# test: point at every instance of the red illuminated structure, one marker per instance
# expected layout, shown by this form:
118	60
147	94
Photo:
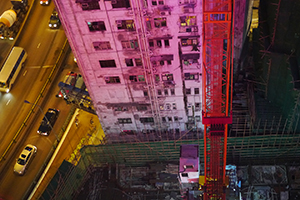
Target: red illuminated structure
217	90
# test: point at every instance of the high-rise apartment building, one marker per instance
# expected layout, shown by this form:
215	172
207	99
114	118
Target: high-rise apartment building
141	61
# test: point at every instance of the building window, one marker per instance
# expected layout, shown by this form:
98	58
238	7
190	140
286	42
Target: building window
188	20
138	78
129	62
133	78
141	108
125	24
101	45
175	119
146	119
167	77
124	121
170	119
96	26
160	22
107	63
164	119
141	78
190	61
166	92
197	106
119	108
174	106
198	118
130	44
90	6
161	62
172	91
151	43
167	44
169	62
156	77
189	42
120	3
145	93
191	76
112	79
154	3
158	43
161	2
196	90
159	92
138	62
188	91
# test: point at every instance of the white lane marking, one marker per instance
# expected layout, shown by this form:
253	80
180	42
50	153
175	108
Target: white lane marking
8	102
25	73
39	45
38	67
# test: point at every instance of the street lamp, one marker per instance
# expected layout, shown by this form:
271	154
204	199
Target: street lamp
48	122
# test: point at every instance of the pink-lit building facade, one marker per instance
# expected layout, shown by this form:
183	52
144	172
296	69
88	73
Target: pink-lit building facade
141	61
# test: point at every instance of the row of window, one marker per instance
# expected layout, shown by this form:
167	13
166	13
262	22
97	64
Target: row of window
166	106
94	5
164	77
129	121
133	44
129	25
145	120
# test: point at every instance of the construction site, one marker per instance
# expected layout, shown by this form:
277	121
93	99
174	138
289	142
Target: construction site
263	140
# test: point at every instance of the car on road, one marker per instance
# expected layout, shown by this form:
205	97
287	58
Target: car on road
25	159
48	121
54	21
45	2
68	82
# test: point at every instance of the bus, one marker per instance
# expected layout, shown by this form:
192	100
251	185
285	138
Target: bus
11	68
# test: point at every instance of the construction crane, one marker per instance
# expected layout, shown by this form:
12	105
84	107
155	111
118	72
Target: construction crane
217	92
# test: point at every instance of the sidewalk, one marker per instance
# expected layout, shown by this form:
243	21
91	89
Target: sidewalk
83	129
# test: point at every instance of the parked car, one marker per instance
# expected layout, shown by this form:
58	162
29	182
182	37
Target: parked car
25	159
48	121
54	21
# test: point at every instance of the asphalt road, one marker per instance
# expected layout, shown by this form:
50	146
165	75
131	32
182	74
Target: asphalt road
43	47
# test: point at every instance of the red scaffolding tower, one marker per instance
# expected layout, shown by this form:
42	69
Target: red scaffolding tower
217	92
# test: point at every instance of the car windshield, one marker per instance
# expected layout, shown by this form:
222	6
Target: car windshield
28	148
53	17
21	161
